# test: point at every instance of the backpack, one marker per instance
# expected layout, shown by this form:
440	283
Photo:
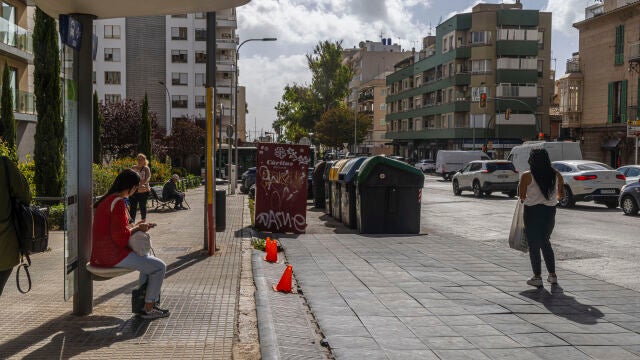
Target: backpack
32	230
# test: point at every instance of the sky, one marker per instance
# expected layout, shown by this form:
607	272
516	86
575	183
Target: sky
267	67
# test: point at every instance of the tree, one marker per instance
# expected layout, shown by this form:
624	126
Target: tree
144	139
120	130
336	127
7	119
97	130
49	137
186	139
302	106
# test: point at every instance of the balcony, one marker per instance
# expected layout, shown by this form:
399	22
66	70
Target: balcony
571	120
226	44
573	65
516	91
18	38
226	23
24	103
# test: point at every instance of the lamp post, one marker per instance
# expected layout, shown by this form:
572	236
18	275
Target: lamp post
235	114
219	112
170	106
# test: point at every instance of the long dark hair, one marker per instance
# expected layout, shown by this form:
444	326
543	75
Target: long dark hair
542	171
126	180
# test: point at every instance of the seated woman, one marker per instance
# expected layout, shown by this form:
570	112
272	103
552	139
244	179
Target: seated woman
110	241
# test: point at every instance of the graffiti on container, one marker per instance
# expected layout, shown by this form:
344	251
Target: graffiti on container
280	219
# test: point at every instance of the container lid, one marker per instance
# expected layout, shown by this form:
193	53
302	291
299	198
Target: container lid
325	174
349	171
336	168
370	163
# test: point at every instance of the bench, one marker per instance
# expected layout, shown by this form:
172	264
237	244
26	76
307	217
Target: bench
106	273
157	202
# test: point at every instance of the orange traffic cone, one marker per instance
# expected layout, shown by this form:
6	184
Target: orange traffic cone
285	281
271	247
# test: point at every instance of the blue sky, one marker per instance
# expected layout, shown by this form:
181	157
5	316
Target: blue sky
266	67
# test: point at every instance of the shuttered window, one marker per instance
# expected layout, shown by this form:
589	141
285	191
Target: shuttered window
619	56
623	102
617	104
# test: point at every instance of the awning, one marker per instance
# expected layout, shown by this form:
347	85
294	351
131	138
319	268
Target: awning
611	144
125	8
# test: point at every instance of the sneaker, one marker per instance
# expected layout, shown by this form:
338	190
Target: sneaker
153	314
553	279
164	311
535	281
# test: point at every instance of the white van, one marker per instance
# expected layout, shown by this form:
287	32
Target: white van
519	155
448	162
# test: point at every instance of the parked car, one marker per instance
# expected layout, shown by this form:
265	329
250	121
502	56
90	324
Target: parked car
448	162
426	165
586	180
486	176
558	150
399	158
630	172
630	198
247	179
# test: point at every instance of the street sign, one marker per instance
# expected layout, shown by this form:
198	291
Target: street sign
229	131
633	128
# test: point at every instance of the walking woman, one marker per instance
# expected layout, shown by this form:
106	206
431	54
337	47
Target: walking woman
110	241
141	196
539	189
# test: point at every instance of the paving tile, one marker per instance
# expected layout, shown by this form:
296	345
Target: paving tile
493	342
411	355
461	355
601	339
510	354
537	339
608	353
447	343
475	330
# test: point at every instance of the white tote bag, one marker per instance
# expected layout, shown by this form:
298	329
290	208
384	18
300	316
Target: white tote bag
517	237
140	243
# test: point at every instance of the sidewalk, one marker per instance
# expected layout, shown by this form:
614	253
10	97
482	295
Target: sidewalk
434	297
201	291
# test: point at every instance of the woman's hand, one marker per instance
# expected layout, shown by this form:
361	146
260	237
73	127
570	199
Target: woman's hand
144	226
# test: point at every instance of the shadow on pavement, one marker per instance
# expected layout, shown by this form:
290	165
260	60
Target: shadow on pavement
565	306
74	335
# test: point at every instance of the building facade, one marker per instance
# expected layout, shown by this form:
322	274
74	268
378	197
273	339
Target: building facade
16	51
372	102
500	50
165	57
368	61
599	94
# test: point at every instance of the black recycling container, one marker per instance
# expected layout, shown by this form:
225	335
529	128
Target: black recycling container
388	196
318	185
348	194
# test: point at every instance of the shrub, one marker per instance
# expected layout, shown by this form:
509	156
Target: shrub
56	217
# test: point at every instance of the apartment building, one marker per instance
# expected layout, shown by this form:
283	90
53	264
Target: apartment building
16	50
165	57
599	94
500	50
368	61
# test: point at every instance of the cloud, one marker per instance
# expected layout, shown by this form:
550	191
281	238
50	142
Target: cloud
565	13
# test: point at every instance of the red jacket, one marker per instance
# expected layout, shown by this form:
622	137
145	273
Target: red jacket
110	233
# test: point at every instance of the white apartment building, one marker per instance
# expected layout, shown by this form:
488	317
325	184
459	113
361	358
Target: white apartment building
165	57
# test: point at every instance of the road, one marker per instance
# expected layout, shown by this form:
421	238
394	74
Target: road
589	239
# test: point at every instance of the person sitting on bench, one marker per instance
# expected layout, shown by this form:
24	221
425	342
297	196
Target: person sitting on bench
170	192
110	241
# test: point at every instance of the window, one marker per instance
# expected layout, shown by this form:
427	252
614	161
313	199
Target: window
383	107
179	78
200	102
112	77
562	168
200	15
112	31
480	66
619	57
179	101
540	67
541	39
112	54
475	167
111	98
383	92
480	37
199	79
182	16
179	56
178	33
201	57
383	122
201	34
93	77
617	102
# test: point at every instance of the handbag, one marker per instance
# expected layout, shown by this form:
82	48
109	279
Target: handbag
32	231
140	243
517	236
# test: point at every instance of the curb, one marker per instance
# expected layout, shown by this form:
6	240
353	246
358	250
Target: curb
266	328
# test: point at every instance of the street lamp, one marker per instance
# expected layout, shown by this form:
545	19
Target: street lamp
219	112
170	106
235	114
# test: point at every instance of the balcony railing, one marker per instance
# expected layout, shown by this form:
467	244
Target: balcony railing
634	52
573	66
16	36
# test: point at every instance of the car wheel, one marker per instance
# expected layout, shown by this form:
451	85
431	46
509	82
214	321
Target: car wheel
629	206
477	192
456	188
567	200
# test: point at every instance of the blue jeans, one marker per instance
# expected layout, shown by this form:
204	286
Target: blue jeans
151	269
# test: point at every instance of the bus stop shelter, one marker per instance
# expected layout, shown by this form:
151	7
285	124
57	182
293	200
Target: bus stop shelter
78	16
